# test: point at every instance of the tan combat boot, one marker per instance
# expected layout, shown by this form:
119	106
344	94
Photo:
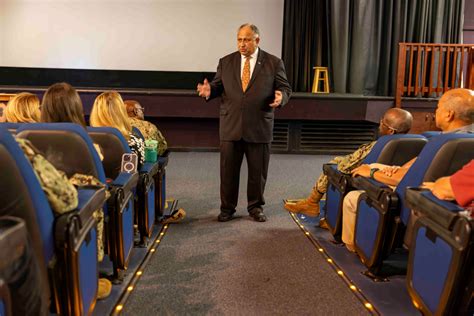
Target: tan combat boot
308	206
104	289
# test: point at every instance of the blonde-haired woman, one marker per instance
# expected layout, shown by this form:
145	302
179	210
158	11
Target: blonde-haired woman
23	108
109	111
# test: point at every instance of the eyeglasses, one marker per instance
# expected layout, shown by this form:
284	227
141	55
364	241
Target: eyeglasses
387	126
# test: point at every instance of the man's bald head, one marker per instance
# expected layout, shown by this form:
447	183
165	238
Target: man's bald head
397	120
461	101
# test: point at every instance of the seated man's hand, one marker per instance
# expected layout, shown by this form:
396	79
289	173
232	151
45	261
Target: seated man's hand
390	171
441	188
363	171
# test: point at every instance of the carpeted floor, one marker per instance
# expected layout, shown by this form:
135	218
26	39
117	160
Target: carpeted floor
239	267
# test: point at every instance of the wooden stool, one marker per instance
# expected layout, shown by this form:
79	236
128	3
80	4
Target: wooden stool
318	71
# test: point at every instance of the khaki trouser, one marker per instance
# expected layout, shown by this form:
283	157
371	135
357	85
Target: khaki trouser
349	213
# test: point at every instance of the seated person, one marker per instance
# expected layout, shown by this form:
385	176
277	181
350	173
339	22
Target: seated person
62	104
148	129
394	121
62	196
23	108
459	187
2	113
454	114
109	111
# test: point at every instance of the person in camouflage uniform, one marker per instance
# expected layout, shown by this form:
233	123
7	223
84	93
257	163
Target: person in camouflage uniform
149	130
62	196
394	121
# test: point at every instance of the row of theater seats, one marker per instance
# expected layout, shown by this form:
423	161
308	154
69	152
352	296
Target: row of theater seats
69	242
439	240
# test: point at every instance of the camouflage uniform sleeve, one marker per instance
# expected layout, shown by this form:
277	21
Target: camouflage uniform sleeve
349	162
61	194
162	144
345	164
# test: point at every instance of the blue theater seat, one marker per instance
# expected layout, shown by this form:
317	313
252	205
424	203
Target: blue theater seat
382	213
138	133
12	127
148	192
78	155
390	150
440	276
160	179
429	134
66	245
20	286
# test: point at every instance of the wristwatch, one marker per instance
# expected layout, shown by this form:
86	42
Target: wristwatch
372	171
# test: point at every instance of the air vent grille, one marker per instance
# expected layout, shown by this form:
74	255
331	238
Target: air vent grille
281	133
334	137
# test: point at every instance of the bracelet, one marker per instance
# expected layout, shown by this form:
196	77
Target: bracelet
372	171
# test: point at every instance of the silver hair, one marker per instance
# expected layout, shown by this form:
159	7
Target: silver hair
254	28
461	102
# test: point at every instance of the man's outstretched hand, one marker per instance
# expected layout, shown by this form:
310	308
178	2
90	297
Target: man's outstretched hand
278	98
204	89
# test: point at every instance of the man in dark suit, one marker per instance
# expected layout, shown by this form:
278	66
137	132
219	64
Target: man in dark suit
251	83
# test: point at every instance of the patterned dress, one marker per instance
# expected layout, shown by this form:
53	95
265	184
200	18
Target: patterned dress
150	131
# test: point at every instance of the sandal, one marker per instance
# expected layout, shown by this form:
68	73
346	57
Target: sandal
175	217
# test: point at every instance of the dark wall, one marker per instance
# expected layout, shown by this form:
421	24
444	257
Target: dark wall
30	77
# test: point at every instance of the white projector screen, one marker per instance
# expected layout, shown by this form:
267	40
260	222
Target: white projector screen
156	35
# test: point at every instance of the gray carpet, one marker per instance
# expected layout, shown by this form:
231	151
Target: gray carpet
239	267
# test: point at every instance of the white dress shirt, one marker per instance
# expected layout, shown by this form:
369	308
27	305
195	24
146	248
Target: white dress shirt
253	61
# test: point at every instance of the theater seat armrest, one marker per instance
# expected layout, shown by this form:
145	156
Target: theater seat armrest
90	199
150	168
375	190
127	181
72	228
335	176
443	212
163	159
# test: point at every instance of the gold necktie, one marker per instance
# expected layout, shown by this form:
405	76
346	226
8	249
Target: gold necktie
246	74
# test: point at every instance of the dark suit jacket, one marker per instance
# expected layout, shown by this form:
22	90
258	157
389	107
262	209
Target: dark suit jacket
247	115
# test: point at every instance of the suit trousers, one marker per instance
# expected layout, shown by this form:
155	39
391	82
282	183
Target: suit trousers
258	157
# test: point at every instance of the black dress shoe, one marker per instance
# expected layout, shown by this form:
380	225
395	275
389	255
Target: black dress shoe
224	217
258	216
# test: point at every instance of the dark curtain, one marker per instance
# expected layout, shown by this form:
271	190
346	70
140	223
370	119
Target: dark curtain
304	41
364	37
358	39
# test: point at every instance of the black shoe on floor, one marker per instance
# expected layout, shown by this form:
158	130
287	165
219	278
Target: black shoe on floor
224	217
258	216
